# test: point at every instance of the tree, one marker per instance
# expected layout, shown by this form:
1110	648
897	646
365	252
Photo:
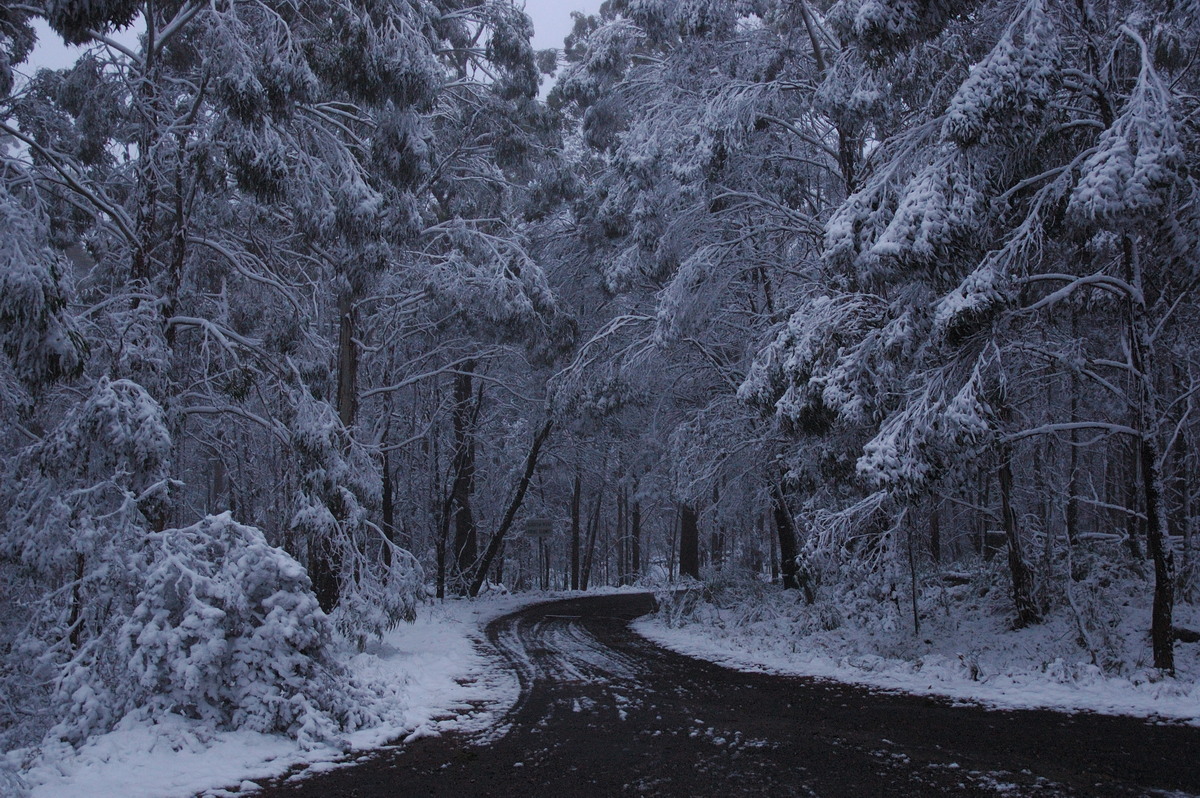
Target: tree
240	191
707	171
1010	188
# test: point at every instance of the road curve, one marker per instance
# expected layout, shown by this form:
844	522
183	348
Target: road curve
603	712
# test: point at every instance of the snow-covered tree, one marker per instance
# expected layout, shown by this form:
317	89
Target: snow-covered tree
1036	170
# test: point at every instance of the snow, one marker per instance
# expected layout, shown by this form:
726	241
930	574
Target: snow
431	677
968	655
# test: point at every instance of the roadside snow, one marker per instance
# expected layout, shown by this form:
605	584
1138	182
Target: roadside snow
963	653
431	677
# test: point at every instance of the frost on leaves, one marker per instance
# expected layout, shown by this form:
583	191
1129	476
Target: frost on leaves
36	333
917	445
76	19
366	592
1010	86
789	375
1136	161
940	208
888	26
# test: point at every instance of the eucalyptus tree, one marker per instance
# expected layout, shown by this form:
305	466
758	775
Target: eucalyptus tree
231	188
710	166
1030	161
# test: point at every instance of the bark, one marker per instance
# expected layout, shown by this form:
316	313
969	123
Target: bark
912	573
671	547
636	542
689	543
75	618
1022	580
935	532
545	565
1189	512
324	557
148	104
1151	450
785	530
514	507
389	509
1161	633
1134	532
621	535
218	484
1179	475
326	581
1072	510
442	539
593	528
465	534
575	498
774	546
347	378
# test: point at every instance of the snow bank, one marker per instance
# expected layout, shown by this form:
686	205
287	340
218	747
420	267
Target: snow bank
428	677
966	651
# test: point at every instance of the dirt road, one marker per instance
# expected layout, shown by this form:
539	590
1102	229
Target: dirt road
603	712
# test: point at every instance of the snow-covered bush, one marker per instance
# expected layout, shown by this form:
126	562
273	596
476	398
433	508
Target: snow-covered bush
226	630
678	603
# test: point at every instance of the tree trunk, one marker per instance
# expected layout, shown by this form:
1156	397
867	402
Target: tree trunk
325	556
1133	525
935	532
326	581
636	542
75	617
575	499
465	534
1072	510
440	553
785	530
593	528
773	545
389	509
910	533
514	507
1022	580
621	535
1162	635
1179	474
347	372
689	543
672	549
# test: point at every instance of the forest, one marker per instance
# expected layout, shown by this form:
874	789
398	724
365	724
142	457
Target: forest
309	307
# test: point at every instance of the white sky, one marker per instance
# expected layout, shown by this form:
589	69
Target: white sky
552	19
551	23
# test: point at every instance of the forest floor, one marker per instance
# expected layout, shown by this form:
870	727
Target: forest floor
602	711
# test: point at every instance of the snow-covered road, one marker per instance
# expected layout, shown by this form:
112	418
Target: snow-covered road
603	711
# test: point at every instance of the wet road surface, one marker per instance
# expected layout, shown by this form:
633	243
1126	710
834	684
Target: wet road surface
603	712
